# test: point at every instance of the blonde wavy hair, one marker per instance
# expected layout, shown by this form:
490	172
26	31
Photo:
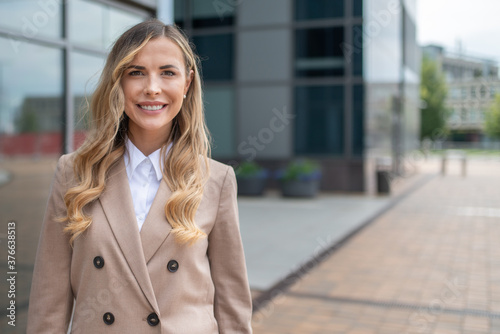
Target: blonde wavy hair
186	165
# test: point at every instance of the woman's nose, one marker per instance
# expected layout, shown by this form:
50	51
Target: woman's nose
152	87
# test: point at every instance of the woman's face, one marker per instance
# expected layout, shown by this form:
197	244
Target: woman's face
154	86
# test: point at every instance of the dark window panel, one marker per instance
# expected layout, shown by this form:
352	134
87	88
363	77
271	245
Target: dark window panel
357	50
319	53
216	52
216	13
318	9
179	12
319	122
357	8
357	120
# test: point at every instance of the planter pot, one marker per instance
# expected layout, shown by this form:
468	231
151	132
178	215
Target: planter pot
251	186
300	188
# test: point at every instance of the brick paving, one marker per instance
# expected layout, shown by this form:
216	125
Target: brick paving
431	264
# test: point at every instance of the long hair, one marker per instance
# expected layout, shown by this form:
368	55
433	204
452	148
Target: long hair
186	166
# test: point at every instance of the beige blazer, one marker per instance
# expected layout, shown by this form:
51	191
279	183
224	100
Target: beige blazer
120	280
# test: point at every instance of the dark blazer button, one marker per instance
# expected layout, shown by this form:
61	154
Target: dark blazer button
108	318
98	262
153	319
172	266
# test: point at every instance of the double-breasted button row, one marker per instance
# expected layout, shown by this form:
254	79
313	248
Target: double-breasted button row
98	262
172	266
152	319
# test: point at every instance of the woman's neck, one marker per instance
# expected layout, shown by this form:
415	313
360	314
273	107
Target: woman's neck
147	142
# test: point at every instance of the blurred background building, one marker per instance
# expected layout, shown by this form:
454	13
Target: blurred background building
333	80
472	85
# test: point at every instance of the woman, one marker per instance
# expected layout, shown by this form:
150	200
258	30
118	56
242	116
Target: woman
141	230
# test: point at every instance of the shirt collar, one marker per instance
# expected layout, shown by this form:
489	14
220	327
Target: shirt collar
133	157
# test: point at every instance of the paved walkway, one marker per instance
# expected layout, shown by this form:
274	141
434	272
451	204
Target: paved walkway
431	264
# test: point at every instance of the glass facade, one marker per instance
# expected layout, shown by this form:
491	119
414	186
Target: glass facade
319	123
357	8
319	53
357	51
210	26
216	53
32	18
32	109
85	70
216	13
318	9
220	118
357	120
107	23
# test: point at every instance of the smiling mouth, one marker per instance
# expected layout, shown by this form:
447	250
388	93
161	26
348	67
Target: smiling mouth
152	108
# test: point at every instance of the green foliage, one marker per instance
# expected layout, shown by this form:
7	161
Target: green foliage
492	119
301	170
433	91
249	169
27	122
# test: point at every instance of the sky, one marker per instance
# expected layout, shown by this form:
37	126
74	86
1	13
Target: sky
475	23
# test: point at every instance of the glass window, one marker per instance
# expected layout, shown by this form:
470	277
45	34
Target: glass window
357	50
80	30
357	8
219	107
319	122
31	111
463	115
179	12
85	72
216	52
357	120
318	9
464	92
483	91
33	18
318	52
108	23
473	92
213	13
116	22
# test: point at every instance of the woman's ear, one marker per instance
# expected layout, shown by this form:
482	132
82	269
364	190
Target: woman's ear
189	79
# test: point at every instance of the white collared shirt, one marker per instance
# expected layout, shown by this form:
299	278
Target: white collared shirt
144	177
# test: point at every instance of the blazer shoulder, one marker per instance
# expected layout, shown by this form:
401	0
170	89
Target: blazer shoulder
219	171
65	167
221	175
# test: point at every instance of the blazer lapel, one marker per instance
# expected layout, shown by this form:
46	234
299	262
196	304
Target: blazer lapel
117	204
156	227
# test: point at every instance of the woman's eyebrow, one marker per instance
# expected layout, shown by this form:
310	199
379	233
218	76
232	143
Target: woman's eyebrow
164	67
137	67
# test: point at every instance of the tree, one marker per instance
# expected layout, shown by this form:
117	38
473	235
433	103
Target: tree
492	119
433	91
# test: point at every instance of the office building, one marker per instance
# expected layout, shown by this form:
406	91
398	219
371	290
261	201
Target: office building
472	86
332	80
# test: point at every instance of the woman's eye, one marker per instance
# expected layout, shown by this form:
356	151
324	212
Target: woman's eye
168	73
135	73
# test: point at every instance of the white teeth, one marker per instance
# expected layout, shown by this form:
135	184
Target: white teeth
158	107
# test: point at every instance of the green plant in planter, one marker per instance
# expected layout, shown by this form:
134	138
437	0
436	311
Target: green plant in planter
300	170
251	178
250	169
300	178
